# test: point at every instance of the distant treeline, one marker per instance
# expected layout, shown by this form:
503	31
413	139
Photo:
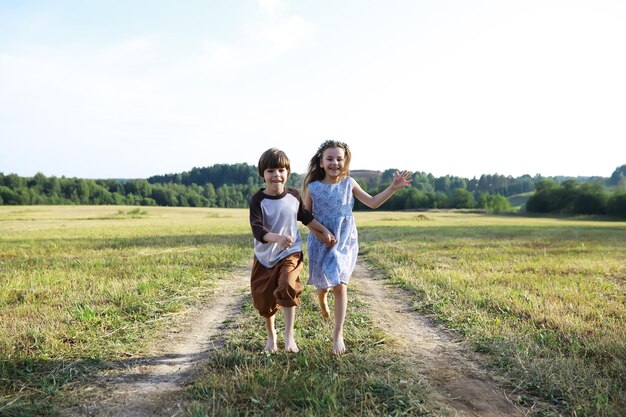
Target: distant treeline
231	185
570	197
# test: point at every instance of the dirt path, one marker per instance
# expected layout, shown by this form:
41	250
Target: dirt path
151	386
446	365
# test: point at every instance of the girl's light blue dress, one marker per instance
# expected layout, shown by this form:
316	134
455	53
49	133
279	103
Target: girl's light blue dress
332	206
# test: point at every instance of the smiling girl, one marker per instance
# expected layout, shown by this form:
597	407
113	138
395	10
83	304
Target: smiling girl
329	193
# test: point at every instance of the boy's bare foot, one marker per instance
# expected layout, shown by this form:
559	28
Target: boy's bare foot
322	296
290	335
270	346
290	343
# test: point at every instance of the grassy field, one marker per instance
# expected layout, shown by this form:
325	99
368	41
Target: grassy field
373	380
82	286
544	297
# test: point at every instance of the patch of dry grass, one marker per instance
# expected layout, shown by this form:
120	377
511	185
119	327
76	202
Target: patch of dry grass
545	297
81	285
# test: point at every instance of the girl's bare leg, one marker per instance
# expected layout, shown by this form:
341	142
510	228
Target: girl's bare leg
341	303
290	340
322	296
270	346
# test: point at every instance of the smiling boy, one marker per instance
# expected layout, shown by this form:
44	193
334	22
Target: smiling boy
274	215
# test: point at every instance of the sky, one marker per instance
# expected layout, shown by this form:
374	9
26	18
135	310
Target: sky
135	88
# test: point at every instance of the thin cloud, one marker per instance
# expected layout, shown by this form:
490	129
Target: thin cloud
287	34
269	6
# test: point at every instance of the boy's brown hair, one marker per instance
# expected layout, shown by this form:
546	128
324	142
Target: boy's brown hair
273	158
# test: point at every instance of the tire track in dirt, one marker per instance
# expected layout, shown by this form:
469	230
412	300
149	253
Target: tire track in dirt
459	381
151	385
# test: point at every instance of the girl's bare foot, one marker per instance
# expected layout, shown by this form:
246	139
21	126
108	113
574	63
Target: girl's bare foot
270	345
341	302
322	296
338	346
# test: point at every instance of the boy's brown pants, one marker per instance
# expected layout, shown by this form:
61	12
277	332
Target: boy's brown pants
276	286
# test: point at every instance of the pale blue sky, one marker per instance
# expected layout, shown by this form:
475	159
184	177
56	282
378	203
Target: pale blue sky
130	89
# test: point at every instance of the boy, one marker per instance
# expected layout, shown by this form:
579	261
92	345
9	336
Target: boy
275	278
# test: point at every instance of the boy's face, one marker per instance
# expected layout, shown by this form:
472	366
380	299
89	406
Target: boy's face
275	180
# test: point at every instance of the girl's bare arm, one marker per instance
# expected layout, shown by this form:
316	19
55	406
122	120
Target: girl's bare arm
400	180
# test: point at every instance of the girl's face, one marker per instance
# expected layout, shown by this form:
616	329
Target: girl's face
332	162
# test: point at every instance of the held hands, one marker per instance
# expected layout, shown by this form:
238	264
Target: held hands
322	233
328	239
325	236
401	180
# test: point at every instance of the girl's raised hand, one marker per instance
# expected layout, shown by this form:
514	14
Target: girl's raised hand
401	179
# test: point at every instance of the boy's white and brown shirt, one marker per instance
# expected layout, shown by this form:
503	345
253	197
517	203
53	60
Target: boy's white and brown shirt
277	214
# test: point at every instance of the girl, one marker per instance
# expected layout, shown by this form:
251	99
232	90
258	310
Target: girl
328	194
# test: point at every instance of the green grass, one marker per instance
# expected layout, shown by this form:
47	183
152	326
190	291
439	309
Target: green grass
543	297
519	200
83	287
372	380
80	286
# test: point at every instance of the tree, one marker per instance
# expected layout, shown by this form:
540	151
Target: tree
423	182
13	181
208	191
618	175
414	199
616	205
387	176
496	204
440	200
144	188
52	187
543	201
590	199
443	184
164	196
8	196
461	198
37	183
232	185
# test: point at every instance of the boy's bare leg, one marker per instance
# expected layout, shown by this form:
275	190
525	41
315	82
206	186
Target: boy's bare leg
322	296
341	303
270	346
290	340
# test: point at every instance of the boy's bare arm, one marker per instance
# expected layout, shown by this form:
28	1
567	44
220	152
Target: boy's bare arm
283	241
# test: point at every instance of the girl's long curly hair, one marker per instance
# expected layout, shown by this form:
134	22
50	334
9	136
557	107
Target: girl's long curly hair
316	172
